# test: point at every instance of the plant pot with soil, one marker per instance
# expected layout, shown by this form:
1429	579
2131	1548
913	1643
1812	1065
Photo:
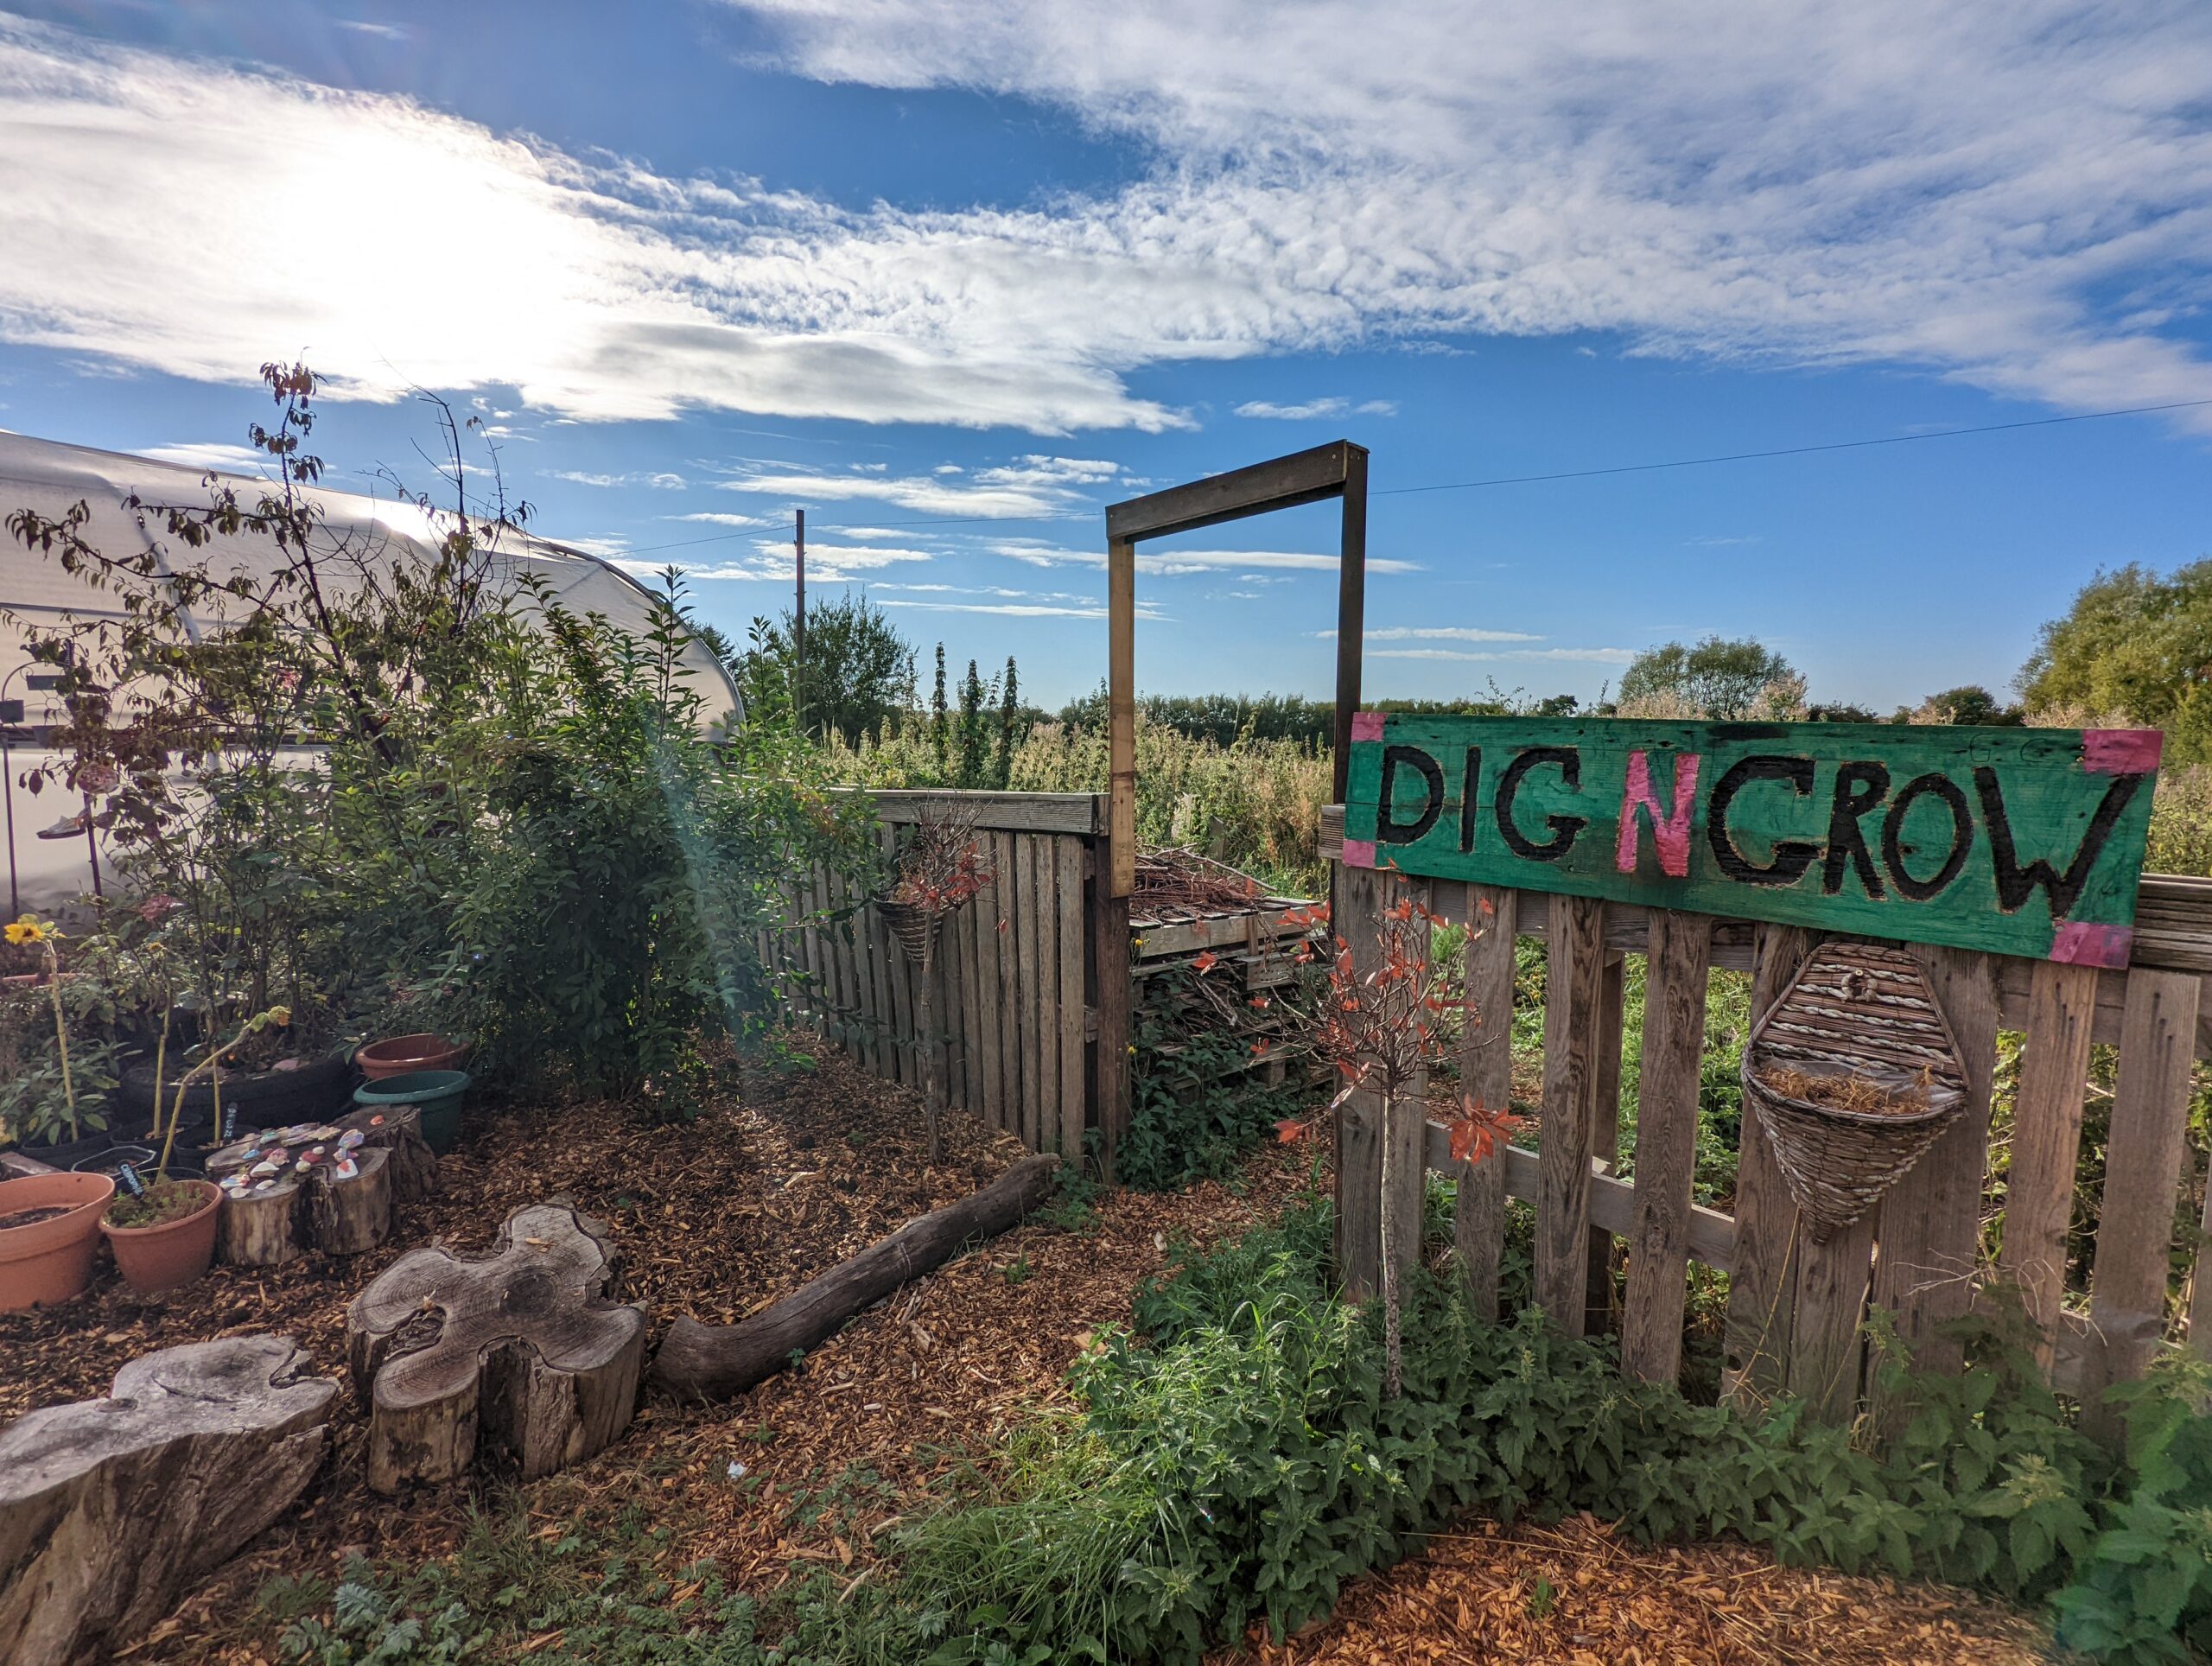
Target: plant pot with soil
49	1226
164	1236
294	1090
402	1055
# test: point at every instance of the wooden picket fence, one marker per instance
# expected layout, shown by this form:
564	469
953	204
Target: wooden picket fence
1795	1306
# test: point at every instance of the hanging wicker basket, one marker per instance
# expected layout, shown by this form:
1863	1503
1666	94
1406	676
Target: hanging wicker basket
912	923
1865	1013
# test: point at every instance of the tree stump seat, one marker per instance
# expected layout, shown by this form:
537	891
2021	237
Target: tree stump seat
523	1358
108	1507
268	1226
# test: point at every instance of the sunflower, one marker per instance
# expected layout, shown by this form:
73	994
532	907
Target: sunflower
28	929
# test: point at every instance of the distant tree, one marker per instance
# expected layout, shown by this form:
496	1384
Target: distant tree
1558	705
1970	705
2134	647
1842	712
1717	678
940	719
858	668
974	743
1009	724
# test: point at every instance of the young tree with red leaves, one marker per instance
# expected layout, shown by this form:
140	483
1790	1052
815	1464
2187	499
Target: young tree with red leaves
1383	1029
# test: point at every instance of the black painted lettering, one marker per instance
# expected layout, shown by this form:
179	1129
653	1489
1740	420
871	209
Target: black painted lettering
1859	788
1893	849
1388	829
2015	884
1791	856
1468	784
1563	828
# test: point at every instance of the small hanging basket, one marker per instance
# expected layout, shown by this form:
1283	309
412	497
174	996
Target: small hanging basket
912	923
1871	1076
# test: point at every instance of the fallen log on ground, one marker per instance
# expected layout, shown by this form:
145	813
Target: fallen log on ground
107	1507
713	1362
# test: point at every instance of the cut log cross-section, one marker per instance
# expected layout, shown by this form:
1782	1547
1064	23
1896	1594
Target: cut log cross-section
315	1209
107	1507
523	1358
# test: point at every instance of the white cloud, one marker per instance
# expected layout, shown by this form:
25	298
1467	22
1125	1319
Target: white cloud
1017	609
776	561
232	459
1310	410
379	31
2014	193
1439	633
659	481
1599	655
1011	493
714	518
1177	562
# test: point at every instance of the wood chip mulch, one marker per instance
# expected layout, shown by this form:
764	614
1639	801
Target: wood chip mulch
1579	1594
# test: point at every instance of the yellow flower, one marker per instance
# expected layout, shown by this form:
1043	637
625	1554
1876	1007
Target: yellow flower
28	930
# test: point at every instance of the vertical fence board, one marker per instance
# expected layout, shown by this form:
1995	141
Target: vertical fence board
1599	1316
1017	1086
1928	1231
1357	908
1026	933
809	941
1110	949
901	1010
2146	1152
945	957
875	995
2200	1285
1406	1131
1572	984
1067	855
1825	1350
1486	1081
989	907
1676	972
2047	1141
963	933
1761	1278
1045	974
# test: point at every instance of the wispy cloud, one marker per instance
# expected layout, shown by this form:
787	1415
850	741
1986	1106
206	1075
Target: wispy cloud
1439	633
778	561
1172	564
1016	609
659	481
1034	488
2012	193
718	518
1313	409
1598	656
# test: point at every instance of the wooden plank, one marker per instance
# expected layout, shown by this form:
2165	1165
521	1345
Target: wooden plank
2200	1286
1073	919
1613	1200
2047	1142
944	969
971	1055
1599	1316
1732	818
1826	1351
1405	1134
1762	1282
2146	1150
1572	981
1675	979
1278	483
904	1067
1121	717
1110	1000
1351	604
1358	906
990	908
1166	940
1041	959
872	991
1486	1080
1024	812
1928	1234
1007	847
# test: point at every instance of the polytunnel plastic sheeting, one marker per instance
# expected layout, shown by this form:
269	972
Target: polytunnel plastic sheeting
49	478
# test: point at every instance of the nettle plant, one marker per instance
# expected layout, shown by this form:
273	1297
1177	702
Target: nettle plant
1386	1030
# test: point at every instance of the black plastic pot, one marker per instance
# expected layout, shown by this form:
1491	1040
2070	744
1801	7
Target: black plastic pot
314	1091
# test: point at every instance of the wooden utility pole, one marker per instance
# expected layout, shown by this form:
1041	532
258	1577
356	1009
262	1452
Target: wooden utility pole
798	627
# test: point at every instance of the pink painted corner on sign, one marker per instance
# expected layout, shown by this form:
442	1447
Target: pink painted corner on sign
2082	944
1359	853
2120	751
1366	726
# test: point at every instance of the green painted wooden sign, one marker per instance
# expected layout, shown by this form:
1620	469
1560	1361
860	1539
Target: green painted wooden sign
2018	841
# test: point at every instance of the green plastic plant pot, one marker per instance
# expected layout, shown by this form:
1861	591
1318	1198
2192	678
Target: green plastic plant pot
436	1093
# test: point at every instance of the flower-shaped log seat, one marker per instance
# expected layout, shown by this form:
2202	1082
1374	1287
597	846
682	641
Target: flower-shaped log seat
107	1507
523	1357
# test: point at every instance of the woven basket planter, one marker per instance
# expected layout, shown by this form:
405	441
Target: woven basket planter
912	924
1862	1010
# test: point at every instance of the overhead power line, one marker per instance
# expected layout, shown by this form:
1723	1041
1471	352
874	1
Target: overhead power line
1518	479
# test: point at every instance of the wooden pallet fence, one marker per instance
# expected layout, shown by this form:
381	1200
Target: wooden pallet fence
1796	1307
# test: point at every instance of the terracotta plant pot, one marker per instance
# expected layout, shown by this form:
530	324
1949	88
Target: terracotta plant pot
174	1253
50	1259
403	1054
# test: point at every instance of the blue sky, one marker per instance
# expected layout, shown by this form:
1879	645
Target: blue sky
955	275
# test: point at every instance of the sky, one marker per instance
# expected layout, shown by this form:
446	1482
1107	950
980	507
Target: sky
954	276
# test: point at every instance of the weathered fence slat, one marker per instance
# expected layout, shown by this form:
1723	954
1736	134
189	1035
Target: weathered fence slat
1068	911
1573	982
1825	1350
1598	1314
1110	948
1761	1284
990	908
1928	1231
1003	846
1358	905
1666	1143
2145	1149
1044	1018
2047	1141
1406	1130
1486	1081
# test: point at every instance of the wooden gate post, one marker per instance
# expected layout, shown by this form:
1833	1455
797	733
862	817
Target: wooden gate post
1356	909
